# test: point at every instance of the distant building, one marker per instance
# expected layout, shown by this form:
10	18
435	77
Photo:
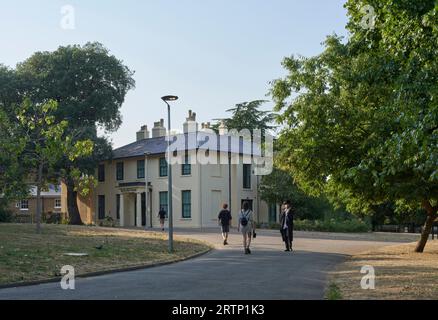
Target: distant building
132	186
25	210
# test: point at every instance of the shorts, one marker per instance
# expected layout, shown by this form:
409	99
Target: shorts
246	229
225	228
162	220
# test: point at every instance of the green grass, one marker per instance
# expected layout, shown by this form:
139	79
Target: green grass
333	292
27	256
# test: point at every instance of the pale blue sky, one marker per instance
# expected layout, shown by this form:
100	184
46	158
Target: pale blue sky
213	54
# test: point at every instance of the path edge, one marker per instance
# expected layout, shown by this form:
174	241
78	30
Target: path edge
105	272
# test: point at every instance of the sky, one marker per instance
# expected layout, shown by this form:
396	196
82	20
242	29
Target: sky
212	54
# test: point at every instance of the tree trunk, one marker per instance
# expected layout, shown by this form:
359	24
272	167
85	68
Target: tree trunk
38	198
431	217
72	205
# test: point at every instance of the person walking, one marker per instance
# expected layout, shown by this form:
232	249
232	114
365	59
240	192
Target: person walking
287	225
224	218
162	216
246	224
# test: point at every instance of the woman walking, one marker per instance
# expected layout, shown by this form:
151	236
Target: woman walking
247	225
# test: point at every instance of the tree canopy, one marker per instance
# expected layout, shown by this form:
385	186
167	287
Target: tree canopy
248	115
362	117
89	86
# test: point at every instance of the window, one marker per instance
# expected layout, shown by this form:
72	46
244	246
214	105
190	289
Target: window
118	206
164	201
101	173
186	197
23	205
57	203
119	171
101	208
163	167
186	168
140	169
247	176
272	213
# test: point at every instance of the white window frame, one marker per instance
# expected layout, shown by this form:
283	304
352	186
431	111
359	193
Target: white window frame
21	205
60	204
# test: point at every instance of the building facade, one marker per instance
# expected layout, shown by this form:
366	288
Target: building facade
133	184
25	210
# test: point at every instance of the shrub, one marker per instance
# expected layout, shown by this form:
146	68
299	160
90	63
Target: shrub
53	218
332	225
107	222
65	219
6	216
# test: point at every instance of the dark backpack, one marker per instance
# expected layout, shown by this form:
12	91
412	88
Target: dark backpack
244	220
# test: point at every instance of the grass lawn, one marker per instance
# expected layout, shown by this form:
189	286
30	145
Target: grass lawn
400	273
27	256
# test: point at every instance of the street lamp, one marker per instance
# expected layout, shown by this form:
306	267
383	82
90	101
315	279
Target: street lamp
167	99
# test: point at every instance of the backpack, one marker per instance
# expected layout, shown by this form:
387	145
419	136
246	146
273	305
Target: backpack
244	219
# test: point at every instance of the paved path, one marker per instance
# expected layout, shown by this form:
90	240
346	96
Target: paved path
225	273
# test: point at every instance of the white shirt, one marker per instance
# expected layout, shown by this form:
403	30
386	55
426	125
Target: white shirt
285	219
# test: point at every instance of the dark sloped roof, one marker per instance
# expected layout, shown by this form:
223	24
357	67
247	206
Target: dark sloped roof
139	148
201	140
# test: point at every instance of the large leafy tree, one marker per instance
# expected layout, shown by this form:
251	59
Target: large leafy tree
362	117
12	170
248	115
89	85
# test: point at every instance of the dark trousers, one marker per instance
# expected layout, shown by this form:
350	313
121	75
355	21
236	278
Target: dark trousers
287	238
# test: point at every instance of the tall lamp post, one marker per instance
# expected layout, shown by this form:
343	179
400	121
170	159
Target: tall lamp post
166	99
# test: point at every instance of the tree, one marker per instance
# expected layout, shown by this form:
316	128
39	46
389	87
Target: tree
12	184
247	115
44	143
362	117
280	186
89	86
12	171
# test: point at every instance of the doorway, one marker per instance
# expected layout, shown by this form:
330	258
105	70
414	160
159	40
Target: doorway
143	209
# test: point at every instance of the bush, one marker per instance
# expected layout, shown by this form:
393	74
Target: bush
53	218
332	225
65	219
6	216
107	222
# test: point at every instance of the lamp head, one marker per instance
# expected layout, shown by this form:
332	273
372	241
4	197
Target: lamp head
169	98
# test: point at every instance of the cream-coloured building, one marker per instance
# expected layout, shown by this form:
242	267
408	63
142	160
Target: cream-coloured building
132	186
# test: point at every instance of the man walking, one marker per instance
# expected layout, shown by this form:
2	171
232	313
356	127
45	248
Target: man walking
162	217
287	225
224	218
